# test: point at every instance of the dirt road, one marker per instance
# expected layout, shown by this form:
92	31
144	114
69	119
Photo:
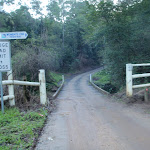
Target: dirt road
88	120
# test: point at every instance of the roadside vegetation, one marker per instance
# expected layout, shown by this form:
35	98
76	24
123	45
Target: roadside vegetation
57	77
21	126
103	80
53	82
20	130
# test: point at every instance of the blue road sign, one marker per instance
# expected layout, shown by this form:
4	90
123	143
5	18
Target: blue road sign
13	35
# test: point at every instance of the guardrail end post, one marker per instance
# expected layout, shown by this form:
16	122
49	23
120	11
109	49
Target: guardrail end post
129	89
90	78
63	79
42	81
11	88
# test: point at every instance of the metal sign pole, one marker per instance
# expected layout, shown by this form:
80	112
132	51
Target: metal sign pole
1	87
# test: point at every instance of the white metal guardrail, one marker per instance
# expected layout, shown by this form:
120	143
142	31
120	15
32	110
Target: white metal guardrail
10	82
130	77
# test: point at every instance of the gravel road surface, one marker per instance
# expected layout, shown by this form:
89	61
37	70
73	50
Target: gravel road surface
88	120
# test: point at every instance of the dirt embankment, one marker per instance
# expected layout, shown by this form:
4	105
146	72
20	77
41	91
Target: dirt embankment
138	96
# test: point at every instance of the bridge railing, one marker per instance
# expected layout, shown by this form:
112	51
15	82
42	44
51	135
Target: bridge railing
130	77
10	82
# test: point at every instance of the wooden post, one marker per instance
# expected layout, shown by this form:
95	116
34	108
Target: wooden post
11	88
42	81
129	89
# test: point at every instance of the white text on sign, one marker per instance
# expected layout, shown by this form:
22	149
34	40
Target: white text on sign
13	35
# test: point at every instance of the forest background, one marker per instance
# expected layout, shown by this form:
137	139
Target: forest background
78	34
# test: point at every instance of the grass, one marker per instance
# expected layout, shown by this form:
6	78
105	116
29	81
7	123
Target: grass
53	81
101	78
18	130
57	77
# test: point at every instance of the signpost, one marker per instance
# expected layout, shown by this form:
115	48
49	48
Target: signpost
13	35
5	55
1	86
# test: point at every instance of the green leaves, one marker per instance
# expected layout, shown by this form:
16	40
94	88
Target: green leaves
54	10
8	1
36	6
120	33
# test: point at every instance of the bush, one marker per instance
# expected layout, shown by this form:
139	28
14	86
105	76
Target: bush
28	63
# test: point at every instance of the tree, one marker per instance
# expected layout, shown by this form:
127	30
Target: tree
36	6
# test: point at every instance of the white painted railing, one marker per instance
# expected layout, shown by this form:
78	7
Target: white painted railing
16	82
130	77
10	82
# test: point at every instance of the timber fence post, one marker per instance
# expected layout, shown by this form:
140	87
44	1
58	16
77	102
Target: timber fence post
42	82
129	89
11	88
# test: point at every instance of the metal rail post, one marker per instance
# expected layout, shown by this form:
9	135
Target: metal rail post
1	87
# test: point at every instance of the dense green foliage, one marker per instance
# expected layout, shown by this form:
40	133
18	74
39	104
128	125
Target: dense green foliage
19	130
76	34
123	33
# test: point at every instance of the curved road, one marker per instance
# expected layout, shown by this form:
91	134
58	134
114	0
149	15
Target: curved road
87	120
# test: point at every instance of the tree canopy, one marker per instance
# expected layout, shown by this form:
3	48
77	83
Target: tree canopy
77	34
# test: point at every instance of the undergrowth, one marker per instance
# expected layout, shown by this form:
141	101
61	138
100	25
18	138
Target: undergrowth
18	130
53	81
101	77
57	77
103	80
